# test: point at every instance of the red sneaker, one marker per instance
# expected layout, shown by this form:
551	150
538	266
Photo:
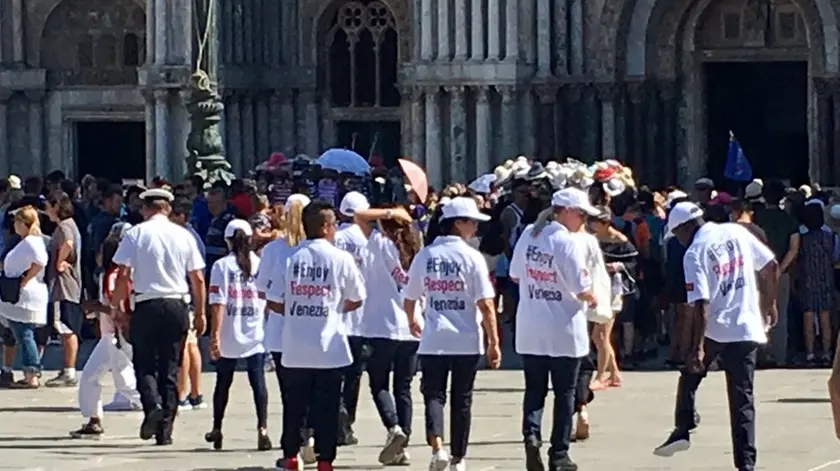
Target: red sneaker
292	464
325	466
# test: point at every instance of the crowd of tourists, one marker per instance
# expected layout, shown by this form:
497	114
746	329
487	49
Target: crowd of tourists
273	269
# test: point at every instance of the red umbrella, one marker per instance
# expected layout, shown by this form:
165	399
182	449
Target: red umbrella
416	177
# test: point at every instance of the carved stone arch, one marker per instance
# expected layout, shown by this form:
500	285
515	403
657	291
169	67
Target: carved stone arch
316	16
36	20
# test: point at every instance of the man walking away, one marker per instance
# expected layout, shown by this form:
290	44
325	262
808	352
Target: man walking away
160	256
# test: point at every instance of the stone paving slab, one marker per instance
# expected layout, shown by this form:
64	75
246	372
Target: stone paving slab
795	430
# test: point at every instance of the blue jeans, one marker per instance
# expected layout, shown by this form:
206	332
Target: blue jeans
225	368
25	338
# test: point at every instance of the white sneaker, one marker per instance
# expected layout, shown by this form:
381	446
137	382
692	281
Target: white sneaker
394	444
121	406
440	461
403	459
459	466
308	452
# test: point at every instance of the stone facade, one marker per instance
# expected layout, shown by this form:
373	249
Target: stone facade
470	82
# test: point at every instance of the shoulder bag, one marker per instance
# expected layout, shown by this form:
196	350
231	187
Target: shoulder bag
10	289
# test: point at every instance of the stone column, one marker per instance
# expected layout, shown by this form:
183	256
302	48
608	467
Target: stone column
309	105
543	38
512	30
291	30
654	143
36	131
18	35
289	129
547	145
637	160
573	120
494	35
444	52
819	157
150	112
276	120
162	20
576	27
668	95
510	129
5	161
248	144
457	135
263	127
528	132
406	136
561	28
180	32
434	165
461	46
328	139
527	30
418	126
477	30
833	177
591	111
426	20
607	93
161	156
484	161
233	129
248	32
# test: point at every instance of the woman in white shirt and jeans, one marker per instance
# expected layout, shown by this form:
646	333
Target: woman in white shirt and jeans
460	311
236	329
27	261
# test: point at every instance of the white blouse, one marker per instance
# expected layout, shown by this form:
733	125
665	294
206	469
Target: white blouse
34	295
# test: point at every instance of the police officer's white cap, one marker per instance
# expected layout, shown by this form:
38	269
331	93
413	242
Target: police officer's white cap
157	194
352	202
240	224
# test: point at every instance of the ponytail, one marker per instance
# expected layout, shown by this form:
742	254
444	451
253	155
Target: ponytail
240	245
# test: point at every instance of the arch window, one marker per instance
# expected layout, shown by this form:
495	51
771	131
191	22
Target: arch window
362	48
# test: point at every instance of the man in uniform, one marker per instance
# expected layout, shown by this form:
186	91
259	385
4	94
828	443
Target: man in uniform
159	256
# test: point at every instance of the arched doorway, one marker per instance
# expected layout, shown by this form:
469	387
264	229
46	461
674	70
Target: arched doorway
358	77
94	48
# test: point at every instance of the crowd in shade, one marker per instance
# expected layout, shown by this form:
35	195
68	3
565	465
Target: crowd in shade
298	229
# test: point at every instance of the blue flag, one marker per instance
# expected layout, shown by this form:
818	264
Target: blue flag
737	166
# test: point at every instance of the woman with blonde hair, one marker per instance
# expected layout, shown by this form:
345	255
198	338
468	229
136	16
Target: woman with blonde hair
25	306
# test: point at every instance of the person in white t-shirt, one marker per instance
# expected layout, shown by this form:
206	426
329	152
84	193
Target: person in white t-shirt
236	329
275	255
730	281
460	311
320	285
555	287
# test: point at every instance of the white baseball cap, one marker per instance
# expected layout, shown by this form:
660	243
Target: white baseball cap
352	202
462	207
235	224
673	196
680	214
574	198
303	199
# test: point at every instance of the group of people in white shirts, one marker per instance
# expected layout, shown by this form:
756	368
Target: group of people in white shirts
308	295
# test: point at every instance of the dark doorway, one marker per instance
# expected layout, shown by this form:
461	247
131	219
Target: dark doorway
112	149
371	137
765	104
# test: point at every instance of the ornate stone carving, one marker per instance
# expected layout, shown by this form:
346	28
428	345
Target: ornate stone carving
668	89
508	93
574	92
547	94
482	95
94	42
204	143
636	91
456	93
35	95
607	91
284	95
416	94
823	86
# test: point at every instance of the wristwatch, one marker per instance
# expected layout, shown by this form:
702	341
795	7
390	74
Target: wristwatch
389	214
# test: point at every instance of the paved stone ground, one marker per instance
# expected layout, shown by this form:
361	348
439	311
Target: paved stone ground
794	431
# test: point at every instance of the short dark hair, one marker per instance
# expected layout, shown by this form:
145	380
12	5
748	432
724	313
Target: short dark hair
63	204
56	176
70	187
182	207
134	189
112	190
813	216
33	185
197	181
314	218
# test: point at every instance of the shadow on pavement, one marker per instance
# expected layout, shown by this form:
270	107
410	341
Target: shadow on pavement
41	409
803	400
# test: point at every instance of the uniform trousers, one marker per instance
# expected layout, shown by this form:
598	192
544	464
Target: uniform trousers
350	385
316	392
158	330
564	373
436	374
738	362
225	369
104	358
400	358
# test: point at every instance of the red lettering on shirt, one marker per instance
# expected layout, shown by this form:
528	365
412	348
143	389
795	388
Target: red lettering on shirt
399	276
300	289
727	268
443	286
242	293
213	289
542	276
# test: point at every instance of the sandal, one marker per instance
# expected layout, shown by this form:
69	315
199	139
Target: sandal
597	385
582	427
22	384
614	382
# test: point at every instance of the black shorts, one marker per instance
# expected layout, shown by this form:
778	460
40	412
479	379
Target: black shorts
70	317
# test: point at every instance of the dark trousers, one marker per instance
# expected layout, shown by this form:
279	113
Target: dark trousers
436	371
352	377
225	368
564	372
400	358
738	362
158	329
318	392
583	394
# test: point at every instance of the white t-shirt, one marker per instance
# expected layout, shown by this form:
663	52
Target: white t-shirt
452	276
318	278
384	317
34	296
352	240
720	267
552	271
241	334
274	257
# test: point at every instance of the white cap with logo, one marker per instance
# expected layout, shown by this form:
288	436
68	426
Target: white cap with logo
352	202
463	207
574	198
680	214
235	224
